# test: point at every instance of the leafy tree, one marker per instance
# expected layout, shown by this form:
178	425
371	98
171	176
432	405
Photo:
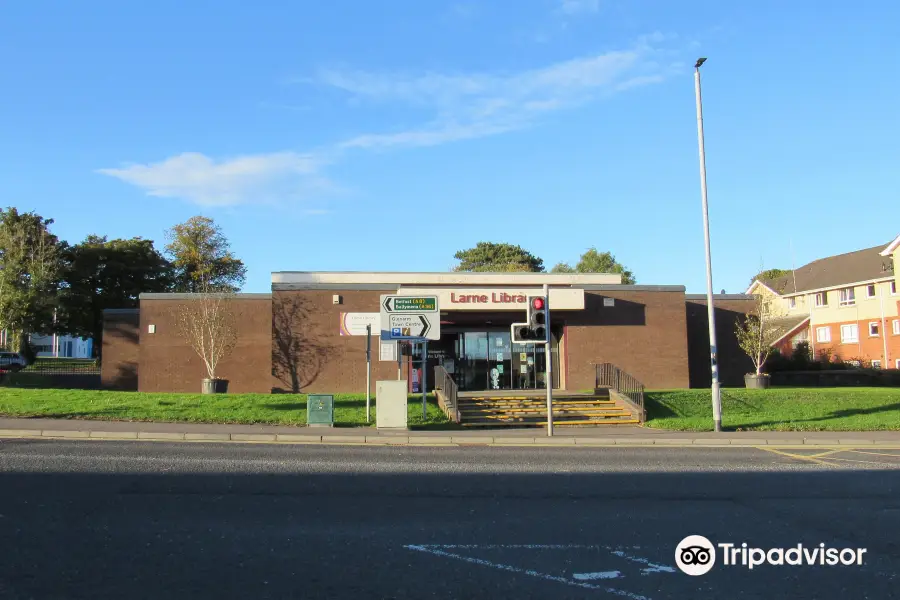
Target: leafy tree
770	274
759	330
562	267
491	257
29	273
202	258
597	262
100	274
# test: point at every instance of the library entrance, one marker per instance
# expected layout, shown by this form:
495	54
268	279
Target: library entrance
487	360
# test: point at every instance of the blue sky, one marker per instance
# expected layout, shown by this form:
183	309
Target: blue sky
355	135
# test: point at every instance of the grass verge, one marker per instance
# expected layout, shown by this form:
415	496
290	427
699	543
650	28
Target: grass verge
268	409
778	409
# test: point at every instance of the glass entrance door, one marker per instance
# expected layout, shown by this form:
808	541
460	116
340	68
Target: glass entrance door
487	360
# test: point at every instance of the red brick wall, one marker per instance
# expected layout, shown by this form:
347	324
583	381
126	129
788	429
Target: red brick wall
867	348
644	333
308	353
733	362
168	364
120	352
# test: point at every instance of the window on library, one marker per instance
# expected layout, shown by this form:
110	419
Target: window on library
822	299
896	326
848	297
873	329
870	290
849	334
823	334
792	301
876	364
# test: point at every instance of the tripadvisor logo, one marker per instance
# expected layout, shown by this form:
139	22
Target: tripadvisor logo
696	555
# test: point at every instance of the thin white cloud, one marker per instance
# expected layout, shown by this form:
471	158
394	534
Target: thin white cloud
248	179
473	105
457	106
579	7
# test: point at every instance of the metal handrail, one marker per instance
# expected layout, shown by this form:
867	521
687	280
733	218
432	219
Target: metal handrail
449	392
611	376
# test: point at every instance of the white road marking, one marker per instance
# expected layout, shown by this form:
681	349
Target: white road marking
651	567
437	551
600	575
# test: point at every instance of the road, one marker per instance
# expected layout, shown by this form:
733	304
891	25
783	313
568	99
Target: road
155	520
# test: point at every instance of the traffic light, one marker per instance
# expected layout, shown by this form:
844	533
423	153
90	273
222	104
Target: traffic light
537	318
534	329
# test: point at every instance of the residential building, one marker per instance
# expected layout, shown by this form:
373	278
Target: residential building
61	346
845	306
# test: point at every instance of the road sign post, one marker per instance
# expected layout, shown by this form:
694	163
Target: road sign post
424	380
548	359
412	318
368	368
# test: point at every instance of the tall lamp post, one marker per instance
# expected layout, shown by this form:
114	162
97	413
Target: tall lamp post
713	352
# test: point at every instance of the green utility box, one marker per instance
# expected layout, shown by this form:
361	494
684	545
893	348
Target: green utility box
320	410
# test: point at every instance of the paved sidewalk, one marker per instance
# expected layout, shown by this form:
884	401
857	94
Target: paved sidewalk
612	435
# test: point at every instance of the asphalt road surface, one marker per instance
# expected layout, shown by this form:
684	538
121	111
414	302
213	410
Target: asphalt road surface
153	520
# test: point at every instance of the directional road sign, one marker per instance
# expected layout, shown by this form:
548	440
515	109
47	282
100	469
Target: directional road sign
410	318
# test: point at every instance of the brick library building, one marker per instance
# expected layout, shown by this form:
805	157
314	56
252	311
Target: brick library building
295	339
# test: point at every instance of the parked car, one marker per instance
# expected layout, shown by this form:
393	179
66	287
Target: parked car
11	361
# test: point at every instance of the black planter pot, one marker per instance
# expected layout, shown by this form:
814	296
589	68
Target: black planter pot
753	381
215	386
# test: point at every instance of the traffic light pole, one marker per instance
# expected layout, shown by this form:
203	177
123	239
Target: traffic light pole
548	359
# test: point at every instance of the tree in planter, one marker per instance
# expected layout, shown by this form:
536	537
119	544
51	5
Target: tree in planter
758	331
208	323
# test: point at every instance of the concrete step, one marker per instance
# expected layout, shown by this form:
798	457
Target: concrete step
533	416
560	423
540	409
535	403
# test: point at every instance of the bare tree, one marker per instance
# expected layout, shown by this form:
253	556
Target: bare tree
759	330
208	323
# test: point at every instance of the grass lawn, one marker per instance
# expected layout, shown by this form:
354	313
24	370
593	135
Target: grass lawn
269	409
777	409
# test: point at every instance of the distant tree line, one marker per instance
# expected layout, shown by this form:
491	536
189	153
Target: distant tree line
49	286
493	257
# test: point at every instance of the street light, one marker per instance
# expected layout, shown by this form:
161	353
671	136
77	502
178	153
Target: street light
713	352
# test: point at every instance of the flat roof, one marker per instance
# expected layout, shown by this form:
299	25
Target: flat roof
187	296
449	278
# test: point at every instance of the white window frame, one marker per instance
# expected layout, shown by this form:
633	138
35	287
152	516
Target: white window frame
827	337
792	302
896	326
873	288
897	363
894	288
876	364
847	339
847	297
877	329
823	296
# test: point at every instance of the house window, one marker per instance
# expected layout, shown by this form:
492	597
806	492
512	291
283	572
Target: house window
823	334
870	290
873	329
849	334
792	301
822	299
897	363
848	297
896	326
876	364
893	288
